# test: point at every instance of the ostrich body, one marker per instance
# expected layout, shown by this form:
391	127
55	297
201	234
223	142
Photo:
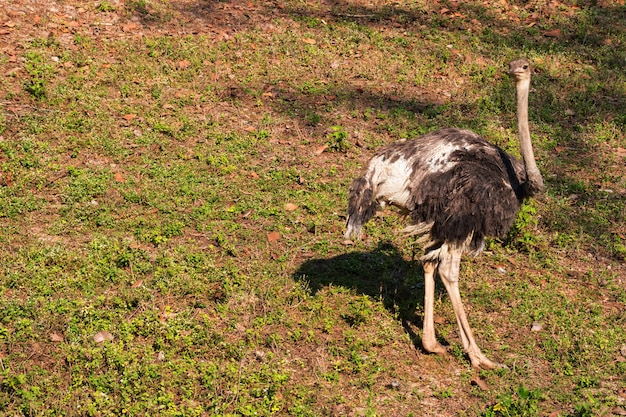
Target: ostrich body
457	188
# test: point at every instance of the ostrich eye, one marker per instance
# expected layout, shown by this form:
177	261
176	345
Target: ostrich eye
525	67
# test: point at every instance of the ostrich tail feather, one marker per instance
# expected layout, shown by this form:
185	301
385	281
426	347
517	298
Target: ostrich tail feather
361	207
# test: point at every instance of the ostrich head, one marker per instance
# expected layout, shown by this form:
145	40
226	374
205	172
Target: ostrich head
520	71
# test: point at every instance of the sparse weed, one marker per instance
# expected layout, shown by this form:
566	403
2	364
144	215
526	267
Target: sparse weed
522	232
359	311
338	139
523	403
105	6
444	393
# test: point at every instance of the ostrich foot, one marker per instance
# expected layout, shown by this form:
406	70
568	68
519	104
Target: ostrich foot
480	361
433	347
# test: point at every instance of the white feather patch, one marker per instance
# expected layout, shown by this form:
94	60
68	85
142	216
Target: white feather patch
391	181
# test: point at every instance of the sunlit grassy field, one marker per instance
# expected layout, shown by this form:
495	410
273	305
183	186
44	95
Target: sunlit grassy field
173	187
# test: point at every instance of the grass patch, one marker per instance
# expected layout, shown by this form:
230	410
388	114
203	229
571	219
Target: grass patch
172	206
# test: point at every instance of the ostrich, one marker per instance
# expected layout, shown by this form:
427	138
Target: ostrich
457	188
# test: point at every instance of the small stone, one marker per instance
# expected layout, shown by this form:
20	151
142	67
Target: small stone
536	327
394	385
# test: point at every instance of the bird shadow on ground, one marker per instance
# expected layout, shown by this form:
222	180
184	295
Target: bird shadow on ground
382	273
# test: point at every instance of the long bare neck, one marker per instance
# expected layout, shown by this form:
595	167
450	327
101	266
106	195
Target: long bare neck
534	181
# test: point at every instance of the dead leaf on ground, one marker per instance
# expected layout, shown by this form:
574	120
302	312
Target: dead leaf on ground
129	27
129	116
55	337
309	41
273	236
103	336
119	177
555	33
619	411
621	152
480	383
183	64
290	207
6	179
321	149
137	283
500	268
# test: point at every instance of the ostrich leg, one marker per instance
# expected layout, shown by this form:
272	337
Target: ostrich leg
429	340
449	272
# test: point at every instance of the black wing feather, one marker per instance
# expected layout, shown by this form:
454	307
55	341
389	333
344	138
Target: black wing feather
475	197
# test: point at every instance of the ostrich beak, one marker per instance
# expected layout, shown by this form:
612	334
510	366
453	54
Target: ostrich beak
518	68
510	72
